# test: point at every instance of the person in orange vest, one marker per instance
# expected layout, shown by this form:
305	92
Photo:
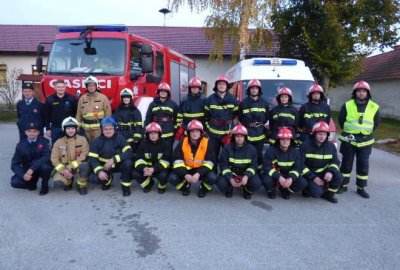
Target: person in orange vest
194	158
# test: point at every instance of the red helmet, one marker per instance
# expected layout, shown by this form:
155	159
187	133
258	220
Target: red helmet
239	130
195	125
195	82
254	82
220	78
153	127
284	91
362	85
164	86
315	88
320	126
285	133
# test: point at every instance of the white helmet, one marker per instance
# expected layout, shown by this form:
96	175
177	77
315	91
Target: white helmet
69	122
91	79
126	92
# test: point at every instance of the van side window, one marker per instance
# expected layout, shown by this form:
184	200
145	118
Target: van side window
159	64
135	56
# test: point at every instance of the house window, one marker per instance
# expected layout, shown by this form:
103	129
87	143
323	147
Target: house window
3	74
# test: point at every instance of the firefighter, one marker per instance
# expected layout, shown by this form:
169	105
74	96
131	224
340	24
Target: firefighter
283	115
193	162
164	112
31	161
191	108
129	119
58	107
238	164
110	152
315	110
253	114
220	110
68	157
92	108
29	110
359	117
282	166
321	164
152	160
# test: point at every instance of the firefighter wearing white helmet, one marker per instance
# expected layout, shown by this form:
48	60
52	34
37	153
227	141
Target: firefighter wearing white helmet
193	162
68	157
359	117
129	119
92	107
315	110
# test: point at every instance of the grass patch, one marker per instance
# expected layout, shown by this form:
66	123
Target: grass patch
8	116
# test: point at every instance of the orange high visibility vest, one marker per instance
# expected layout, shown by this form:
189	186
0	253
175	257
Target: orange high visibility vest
198	159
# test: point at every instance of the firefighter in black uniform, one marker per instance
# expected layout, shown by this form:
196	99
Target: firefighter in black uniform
31	161
221	109
110	152
315	110
238	164
58	107
152	160
359	117
193	162
163	111
29	110
321	164
283	115
253	114
191	108
129	119
282	166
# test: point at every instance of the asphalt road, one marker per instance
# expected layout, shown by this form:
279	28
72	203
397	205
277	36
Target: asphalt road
103	230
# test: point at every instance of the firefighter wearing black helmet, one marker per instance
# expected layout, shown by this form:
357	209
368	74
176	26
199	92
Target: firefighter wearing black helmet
359	118
253	114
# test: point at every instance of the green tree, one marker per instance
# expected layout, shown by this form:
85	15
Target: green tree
334	36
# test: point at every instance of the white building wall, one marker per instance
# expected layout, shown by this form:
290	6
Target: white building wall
20	61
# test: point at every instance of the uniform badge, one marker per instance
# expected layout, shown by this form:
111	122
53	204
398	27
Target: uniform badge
40	146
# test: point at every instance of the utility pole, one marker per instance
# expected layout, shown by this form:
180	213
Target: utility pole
164	11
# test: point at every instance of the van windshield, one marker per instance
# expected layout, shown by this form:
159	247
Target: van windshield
270	89
105	57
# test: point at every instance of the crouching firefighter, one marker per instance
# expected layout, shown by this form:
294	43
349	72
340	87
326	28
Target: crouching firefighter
68	157
238	164
152	160
321	164
193	162
109	153
282	166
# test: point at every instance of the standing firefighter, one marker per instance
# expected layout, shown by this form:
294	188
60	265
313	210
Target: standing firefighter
321	164
164	112
152	160
283	115
192	108
253	114
315	110
221	109
68	157
110	152
238	164
92	108
129	119
193	162
282	167
359	118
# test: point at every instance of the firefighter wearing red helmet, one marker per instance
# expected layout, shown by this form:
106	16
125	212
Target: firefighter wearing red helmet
221	109
192	107
282	165
283	115
253	114
238	164
152	160
92	108
321	164
193	162
315	110
163	111
359	118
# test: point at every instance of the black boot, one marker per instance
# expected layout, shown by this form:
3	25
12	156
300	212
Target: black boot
44	191
147	189
342	189
105	187
362	192
186	189
82	190
229	193
69	187
305	193
126	191
161	188
271	194
285	193
329	196
202	191
246	194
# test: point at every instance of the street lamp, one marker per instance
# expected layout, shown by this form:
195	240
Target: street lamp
164	11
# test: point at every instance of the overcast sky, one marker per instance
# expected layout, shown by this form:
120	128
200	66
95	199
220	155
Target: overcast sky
128	12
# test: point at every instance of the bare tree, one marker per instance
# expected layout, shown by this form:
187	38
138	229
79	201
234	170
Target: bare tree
11	88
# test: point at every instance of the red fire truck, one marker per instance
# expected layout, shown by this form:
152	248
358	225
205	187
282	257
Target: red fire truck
117	58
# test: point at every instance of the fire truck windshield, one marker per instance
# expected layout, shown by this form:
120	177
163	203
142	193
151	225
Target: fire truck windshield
70	57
